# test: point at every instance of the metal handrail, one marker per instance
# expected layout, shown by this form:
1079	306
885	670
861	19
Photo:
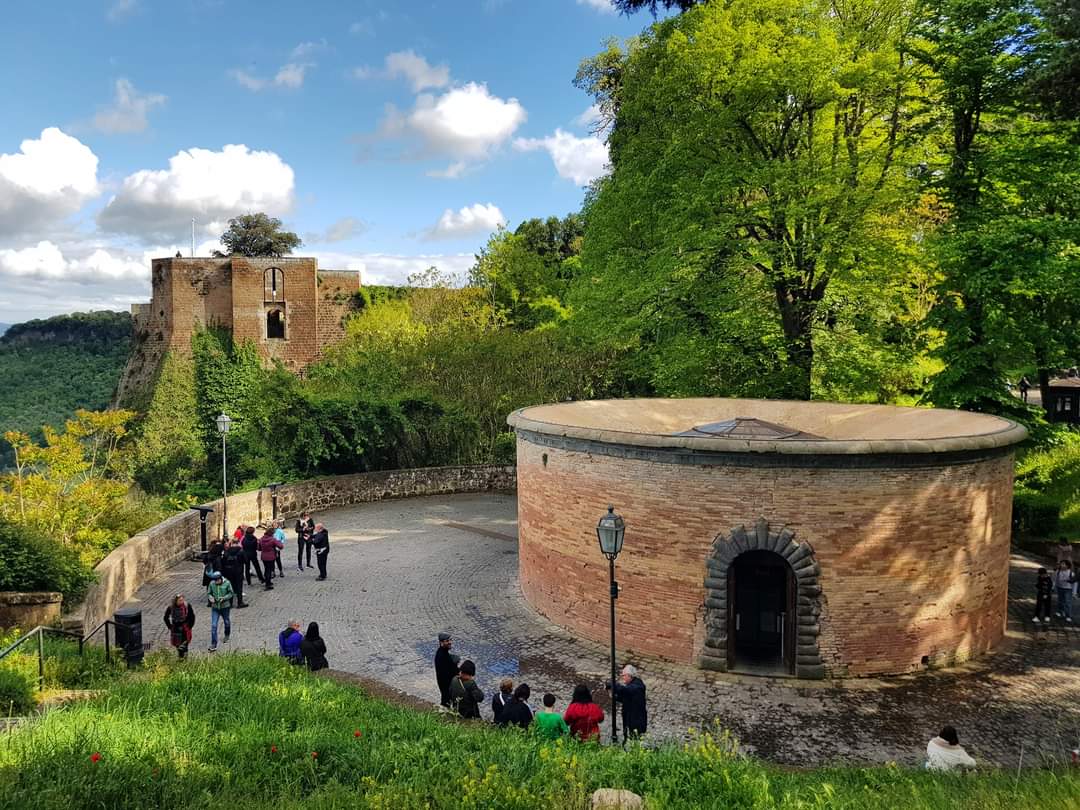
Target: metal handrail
40	632
92	633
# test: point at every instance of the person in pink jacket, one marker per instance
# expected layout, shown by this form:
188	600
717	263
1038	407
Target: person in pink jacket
269	546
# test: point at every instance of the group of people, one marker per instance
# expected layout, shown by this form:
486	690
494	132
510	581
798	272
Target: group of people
582	717
1062	584
303	648
229	565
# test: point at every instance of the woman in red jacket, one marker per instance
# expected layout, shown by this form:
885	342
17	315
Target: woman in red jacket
583	716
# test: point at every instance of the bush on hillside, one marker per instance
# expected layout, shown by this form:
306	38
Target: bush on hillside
36	563
16	692
1036	513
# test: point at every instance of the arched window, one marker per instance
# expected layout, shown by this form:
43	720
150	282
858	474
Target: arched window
273	284
275	324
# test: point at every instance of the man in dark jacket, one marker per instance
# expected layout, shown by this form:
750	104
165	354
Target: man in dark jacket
232	566
517	711
446	667
465	695
630	692
250	545
305	527
320	541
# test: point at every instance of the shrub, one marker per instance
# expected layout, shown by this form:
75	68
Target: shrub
16	692
1036	513
36	563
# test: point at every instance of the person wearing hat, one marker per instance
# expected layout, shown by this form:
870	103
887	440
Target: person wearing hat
465	695
446	667
219	595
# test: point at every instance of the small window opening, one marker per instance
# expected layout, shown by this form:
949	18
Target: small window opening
275	324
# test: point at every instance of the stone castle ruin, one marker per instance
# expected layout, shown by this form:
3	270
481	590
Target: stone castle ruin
289	308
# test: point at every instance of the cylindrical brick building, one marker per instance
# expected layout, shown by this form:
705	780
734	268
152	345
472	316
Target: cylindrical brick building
804	538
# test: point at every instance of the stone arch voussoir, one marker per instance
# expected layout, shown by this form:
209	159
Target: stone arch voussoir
800	556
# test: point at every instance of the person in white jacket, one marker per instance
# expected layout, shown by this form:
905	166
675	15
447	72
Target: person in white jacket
944	752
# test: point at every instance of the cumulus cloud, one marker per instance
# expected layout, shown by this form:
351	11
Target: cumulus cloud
472	219
600	5
389	268
49	178
345	228
579	159
289	76
46	260
157	205
128	112
416	69
465	124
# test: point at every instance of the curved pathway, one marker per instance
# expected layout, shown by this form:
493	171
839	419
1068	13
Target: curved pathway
401	571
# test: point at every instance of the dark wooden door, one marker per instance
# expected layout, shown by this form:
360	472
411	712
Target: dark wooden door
761	614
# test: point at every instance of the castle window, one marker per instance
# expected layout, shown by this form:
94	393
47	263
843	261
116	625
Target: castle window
275	324
273	284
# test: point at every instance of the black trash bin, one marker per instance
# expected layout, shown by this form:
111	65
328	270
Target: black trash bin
129	635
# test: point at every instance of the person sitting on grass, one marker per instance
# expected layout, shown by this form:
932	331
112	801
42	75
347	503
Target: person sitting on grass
180	618
289	641
548	723
502	698
582	715
517	711
313	648
465	694
944	752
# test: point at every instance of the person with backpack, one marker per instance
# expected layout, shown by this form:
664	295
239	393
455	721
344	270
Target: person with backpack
180	619
313	648
465	694
232	566
220	595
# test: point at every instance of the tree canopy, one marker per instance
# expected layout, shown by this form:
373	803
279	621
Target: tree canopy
258	235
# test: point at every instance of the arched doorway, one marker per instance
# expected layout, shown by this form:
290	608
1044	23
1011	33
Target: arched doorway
761	614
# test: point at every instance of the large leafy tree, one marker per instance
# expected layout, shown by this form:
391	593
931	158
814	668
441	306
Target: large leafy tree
258	235
757	147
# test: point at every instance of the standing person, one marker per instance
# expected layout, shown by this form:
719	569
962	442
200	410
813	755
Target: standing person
250	545
1063	551
502	697
180	618
289	641
279	533
305	527
241	530
220	595
446	667
944	752
582	715
517	711
213	561
313	648
320	540
268	549
630	692
465	695
548	723
1044	588
232	566
1024	386
1064	579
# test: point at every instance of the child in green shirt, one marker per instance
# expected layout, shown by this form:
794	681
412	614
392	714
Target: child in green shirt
548	723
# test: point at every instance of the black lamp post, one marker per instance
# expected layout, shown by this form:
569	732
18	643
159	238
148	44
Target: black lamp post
203	512
273	497
610	531
223	425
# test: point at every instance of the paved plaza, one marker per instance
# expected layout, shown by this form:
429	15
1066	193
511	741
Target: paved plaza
401	571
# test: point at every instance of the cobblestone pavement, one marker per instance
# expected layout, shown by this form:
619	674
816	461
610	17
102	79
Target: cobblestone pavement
401	571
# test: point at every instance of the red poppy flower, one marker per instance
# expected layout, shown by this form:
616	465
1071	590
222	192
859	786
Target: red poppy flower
273	749
314	754
95	757
356	733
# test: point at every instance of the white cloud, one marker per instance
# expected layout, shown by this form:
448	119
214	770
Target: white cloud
128	111
388	268
416	69
45	260
345	228
47	179
119	9
600	5
211	186
579	159
289	76
305	49
472	219
465	124
364	27
590	118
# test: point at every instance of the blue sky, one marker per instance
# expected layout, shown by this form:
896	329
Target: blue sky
390	136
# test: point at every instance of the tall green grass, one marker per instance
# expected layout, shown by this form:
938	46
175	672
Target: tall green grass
1055	473
247	731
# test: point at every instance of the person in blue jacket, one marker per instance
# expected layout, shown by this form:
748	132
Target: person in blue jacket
289	641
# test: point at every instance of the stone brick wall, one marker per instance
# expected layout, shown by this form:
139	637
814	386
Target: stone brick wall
336	291
150	553
913	555
28	610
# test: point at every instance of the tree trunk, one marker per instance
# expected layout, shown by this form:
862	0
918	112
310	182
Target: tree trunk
796	317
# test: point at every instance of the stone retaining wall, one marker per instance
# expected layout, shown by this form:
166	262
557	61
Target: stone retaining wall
29	609
151	553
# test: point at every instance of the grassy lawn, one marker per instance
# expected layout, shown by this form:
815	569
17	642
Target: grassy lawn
247	731
1055	472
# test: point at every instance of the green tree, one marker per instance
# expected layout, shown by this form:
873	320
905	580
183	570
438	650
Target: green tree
751	138
258	235
169	454
1056	78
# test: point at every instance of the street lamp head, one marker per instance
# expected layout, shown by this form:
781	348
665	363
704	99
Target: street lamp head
223	423
610	531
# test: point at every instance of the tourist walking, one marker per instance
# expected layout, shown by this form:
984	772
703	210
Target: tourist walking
313	648
279	535
180	619
320	541
446	667
269	546
305	527
1064	579
213	559
1063	551
1044	588
517	711
250	545
944	752
1024	387
629	690
232	566
502	697
220	595
289	641
548	723
583	716
465	694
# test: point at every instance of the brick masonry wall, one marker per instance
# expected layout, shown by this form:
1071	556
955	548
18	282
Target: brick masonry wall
151	553
914	560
